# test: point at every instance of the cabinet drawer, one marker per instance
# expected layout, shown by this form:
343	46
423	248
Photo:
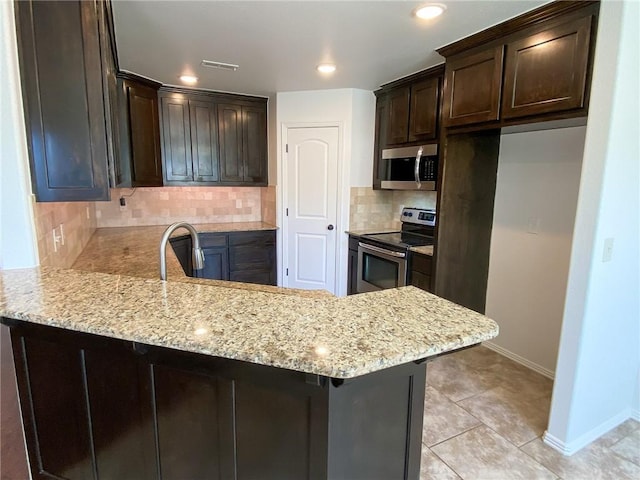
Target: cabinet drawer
249	257
422	263
262	277
212	240
267	237
421	281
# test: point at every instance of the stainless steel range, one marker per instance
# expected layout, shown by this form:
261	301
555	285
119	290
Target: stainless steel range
382	257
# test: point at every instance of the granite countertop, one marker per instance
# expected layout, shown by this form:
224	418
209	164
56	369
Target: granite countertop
135	251
335	337
424	250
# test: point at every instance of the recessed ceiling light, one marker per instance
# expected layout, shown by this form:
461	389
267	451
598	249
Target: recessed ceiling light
430	10
326	68
189	79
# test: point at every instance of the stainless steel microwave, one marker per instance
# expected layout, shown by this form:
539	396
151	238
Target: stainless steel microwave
409	168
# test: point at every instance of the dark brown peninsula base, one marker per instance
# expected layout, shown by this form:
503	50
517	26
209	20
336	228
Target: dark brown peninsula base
100	408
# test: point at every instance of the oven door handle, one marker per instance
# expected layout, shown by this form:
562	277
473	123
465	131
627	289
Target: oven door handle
384	251
417	169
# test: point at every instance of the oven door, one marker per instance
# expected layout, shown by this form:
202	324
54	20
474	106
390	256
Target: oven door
379	268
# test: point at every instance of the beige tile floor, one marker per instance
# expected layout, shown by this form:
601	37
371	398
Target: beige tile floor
484	417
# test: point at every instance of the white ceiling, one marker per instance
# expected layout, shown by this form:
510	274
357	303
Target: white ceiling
279	43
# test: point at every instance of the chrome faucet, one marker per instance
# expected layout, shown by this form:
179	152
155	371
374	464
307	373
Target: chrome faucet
196	253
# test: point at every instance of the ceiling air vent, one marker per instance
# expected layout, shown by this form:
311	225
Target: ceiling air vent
220	65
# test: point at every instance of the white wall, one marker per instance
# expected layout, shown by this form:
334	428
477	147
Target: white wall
354	111
272	139
596	384
362	137
535	206
17	235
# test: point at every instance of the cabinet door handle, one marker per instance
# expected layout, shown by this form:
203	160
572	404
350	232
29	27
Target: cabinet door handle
140	348
417	170
330	227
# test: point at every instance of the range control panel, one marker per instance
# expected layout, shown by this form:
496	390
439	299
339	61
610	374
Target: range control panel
419	216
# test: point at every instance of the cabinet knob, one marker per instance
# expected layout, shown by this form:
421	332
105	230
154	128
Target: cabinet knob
330	227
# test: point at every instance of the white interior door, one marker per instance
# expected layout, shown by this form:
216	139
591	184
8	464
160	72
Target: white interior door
311	209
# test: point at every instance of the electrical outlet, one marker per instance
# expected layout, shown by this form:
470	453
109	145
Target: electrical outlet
533	226
88	214
607	251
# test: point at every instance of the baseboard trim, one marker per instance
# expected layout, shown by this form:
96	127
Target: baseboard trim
521	360
585	439
555	443
635	414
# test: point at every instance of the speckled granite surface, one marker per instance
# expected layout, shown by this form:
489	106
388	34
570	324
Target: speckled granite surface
135	251
425	250
336	337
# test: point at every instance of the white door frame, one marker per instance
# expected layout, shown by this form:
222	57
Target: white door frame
342	203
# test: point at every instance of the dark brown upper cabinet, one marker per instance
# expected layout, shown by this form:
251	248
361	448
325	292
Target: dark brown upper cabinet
110	87
243	143
399	101
213	139
532	68
204	141
140	161
379	139
230	121
412	106
423	117
190	133
254	143
546	72
59	46
472	87
176	139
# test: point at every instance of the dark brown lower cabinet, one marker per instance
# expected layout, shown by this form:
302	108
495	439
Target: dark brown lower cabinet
420	275
216	256
101	408
252	257
248	256
352	269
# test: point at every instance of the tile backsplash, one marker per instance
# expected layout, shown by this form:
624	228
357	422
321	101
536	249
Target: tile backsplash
380	209
78	220
165	205
269	204
370	209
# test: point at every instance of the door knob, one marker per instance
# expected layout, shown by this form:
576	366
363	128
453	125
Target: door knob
330	227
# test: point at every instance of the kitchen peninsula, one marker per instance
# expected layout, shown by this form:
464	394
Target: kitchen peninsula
126	376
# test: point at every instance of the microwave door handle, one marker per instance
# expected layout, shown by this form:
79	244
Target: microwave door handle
417	169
